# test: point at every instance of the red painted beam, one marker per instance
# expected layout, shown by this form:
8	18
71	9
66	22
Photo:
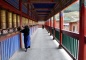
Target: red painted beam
43	2
2	38
56	8
7	6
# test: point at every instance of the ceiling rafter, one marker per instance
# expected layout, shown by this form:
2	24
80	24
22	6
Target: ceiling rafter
47	8
59	8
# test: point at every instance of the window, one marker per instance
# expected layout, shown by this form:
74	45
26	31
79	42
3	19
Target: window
73	28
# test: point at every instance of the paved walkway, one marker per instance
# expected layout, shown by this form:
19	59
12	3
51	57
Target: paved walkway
42	48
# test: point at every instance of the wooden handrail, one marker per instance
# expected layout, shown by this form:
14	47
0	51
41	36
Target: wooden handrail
57	29
71	34
4	37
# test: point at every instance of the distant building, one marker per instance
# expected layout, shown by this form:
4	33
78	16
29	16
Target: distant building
71	22
74	26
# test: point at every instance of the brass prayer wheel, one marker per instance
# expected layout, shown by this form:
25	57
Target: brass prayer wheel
3	19
33	23
14	20
23	21
26	21
18	20
9	19
30	22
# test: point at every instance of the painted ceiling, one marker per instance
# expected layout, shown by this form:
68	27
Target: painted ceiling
45	9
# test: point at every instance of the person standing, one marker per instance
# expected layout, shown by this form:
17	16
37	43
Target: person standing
26	37
42	26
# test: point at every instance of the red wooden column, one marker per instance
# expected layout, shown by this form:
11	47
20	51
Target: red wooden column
49	22
52	22
54	27
46	23
61	27
50	25
82	31
20	9
0	0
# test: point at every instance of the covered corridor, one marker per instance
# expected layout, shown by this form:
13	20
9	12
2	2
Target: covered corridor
43	47
65	29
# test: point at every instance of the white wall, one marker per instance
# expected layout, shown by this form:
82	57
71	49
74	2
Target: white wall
41	22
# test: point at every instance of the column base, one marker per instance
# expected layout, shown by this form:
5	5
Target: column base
60	47
53	38
50	34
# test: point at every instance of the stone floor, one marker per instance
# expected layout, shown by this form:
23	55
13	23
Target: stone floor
42	48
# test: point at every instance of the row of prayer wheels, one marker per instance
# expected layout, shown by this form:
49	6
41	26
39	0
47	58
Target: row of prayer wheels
25	21
8	19
12	20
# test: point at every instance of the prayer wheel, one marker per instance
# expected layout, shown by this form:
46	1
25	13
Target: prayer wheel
33	23
14	20
29	22
23	21
18	20
3	19
9	20
26	21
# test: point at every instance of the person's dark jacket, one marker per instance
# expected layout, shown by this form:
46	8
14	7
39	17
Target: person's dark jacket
25	31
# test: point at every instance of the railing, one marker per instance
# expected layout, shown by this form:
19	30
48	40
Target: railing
32	29
70	42
10	43
52	31
9	47
57	34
